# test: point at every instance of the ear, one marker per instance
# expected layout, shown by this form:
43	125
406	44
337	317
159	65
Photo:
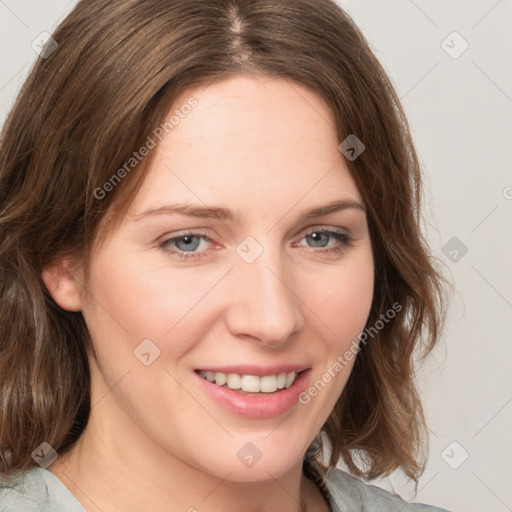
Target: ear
61	279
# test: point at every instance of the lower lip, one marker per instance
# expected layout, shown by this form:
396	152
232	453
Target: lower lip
262	406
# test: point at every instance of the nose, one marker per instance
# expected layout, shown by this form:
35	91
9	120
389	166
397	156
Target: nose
264	305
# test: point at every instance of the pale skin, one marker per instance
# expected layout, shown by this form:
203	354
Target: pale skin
266	149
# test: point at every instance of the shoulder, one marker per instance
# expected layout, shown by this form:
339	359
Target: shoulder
350	493
36	490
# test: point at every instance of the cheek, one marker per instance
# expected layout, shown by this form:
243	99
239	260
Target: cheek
341	303
134	296
342	299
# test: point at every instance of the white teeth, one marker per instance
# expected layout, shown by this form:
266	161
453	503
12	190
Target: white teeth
234	381
251	383
220	378
269	383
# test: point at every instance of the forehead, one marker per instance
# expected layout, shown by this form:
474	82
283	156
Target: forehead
251	143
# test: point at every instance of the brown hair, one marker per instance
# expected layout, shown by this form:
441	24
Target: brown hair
90	104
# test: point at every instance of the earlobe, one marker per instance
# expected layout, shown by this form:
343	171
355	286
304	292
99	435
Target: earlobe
62	285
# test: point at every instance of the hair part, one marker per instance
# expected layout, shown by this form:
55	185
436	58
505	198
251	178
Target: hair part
96	99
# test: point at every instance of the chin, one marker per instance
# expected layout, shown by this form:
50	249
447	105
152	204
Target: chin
254	464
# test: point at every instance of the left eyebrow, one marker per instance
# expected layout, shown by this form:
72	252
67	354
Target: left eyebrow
333	206
220	213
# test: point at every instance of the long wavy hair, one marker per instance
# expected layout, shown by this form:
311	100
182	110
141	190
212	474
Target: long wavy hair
94	97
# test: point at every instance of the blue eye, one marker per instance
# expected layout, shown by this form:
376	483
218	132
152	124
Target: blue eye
324	235
186	245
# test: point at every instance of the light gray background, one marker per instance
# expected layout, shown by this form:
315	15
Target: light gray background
460	114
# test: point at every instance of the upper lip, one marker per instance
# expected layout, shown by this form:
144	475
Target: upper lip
259	371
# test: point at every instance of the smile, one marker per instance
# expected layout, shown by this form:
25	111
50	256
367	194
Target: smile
268	395
251	383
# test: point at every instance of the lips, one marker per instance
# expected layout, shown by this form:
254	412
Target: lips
259	405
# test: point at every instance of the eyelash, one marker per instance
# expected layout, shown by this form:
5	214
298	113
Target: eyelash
342	238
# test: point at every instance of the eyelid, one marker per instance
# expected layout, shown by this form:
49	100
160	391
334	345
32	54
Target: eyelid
325	227
208	233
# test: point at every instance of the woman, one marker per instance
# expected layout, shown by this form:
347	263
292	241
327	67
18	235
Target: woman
212	269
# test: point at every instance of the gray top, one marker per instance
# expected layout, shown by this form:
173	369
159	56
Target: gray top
349	494
39	490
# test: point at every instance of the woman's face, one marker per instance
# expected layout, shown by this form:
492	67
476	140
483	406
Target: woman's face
262	285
